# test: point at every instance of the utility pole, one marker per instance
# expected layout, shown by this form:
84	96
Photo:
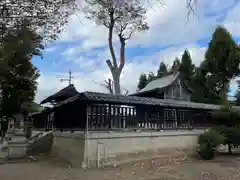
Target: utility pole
69	79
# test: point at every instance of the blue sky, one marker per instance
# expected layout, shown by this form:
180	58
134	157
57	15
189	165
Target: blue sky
83	46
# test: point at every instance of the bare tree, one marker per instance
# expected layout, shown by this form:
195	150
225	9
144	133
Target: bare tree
48	17
123	17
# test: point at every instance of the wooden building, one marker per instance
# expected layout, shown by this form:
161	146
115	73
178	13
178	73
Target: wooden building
167	87
61	95
45	118
164	103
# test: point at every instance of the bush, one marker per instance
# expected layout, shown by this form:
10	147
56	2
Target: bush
231	134
232	137
206	151
235	136
211	137
208	142
229	121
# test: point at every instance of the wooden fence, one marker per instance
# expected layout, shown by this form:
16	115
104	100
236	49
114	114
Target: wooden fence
101	116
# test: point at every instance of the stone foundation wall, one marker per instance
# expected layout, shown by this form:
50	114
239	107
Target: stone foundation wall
104	148
69	148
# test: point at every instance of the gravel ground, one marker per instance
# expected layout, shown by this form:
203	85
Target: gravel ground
180	168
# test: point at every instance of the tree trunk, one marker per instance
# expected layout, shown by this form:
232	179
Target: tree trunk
113	66
116	81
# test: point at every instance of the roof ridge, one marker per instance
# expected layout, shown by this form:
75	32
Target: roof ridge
160	82
70	87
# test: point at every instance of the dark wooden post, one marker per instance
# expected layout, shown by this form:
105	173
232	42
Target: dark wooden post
87	108
109	116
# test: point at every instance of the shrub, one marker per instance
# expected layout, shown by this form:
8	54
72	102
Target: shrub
229	121
206	151
232	138
211	137
231	134
235	138
208	142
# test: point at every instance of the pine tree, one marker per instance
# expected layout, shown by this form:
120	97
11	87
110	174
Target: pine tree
186	67
142	81
222	55
222	61
151	76
162	70
221	64
176	65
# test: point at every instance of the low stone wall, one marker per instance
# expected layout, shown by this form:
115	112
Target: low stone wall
101	148
69	147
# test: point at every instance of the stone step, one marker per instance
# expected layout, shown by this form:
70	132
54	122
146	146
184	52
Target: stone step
18	149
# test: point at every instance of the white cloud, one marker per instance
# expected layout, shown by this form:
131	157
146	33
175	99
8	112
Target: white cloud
232	21
50	49
168	25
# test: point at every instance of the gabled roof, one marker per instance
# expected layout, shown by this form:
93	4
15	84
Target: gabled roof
159	83
135	100
61	95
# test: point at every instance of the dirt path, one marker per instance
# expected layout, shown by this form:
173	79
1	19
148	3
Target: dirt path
224	168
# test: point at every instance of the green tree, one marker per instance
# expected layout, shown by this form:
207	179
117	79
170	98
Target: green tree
162	70
151	76
237	95
200	85
176	65
221	64
143	81
18	75
222	55
186	67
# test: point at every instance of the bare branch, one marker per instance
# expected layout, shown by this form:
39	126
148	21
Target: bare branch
109	63
48	17
130	35
191	6
109	85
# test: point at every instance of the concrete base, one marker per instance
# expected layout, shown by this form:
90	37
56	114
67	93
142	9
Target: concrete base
20	147
17	150
96	149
